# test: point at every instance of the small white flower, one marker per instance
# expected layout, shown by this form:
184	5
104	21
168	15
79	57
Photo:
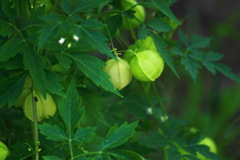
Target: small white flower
76	38
41	5
149	110
61	41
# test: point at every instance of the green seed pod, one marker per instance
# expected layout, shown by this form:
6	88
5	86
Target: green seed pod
146	65
119	72
4	152
139	14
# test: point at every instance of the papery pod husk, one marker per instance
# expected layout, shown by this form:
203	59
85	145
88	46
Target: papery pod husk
146	65
119	72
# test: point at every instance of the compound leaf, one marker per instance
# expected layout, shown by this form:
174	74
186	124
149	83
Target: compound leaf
126	155
52	132
158	25
53	84
86	5
10	49
84	134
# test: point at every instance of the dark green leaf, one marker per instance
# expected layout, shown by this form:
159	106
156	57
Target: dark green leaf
70	109
46	34
53	84
5	28
66	6
92	24
52	132
177	51
51	158
154	139
126	155
92	103
64	60
11	88
199	41
13	63
161	47
113	24
183	38
163	7
191	66
158	25
142	31
97	41
129	14
225	70
36	65
117	136
50	18
10	49
9	10
86	5
83	134
92	68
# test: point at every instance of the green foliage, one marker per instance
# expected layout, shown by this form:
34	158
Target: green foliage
94	120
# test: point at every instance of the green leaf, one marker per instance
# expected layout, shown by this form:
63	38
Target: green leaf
92	103
183	38
52	132
92	68
113	24
163	7
177	51
161	47
158	25
155	139
36	65
86	5
117	136
225	70
191	66
10	49
64	60
9	10
66	6
53	84
199	42
142	31
13	63
11	88
84	134
50	18
51	158
126	155
5	28
97	41
69	108
92	24
46	35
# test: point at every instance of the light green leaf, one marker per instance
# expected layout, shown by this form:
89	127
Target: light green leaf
161	47
117	136
84	134
52	132
36	65
163	7
92	68
53	84
158	25
92	103
10	49
70	109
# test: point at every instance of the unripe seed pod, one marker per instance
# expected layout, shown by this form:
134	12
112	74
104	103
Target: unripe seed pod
4	152
147	65
45	107
119	72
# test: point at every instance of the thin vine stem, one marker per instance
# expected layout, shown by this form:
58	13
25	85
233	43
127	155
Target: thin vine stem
163	112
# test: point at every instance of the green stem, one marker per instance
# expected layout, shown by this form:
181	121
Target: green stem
35	126
89	153
163	112
70	147
149	101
